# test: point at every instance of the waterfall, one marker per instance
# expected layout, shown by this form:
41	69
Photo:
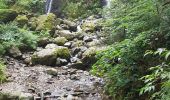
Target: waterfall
107	13
108	3
49	6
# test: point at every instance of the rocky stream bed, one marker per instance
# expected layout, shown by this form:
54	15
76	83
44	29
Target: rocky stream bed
58	68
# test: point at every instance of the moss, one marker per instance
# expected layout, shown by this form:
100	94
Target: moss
62	52
22	20
7	15
60	41
2	71
33	23
88	26
46	22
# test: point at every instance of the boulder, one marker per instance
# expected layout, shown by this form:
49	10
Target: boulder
22	20
48	56
88	57
65	33
44	57
72	26
60	41
7	15
46	22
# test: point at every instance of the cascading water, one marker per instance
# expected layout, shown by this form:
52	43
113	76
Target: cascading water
107	8
48	6
108	3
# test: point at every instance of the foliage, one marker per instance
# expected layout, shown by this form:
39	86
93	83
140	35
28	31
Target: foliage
81	8
141	25
11	34
157	82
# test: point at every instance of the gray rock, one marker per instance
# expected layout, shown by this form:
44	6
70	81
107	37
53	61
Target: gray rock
87	39
51	46
66	33
75	50
48	56
52	71
61	62
68	44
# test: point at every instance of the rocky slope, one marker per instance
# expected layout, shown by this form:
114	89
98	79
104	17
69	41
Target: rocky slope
58	69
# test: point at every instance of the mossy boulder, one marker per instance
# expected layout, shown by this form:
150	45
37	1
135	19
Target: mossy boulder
88	26
46	22
88	57
22	20
7	15
60	41
48	56
33	23
62	52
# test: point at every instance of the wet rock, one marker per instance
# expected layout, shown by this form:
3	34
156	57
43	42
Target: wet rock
65	33
75	50
60	41
87	39
83	48
52	71
61	62
15	52
74	60
68	44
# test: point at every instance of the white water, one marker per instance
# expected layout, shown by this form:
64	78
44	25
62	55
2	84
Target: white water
49	6
108	5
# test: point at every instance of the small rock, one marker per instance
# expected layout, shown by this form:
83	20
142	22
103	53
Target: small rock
75	50
87	39
68	44
60	62
52	71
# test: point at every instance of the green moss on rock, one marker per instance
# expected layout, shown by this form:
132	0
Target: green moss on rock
7	15
60	41
62	52
46	22
22	20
